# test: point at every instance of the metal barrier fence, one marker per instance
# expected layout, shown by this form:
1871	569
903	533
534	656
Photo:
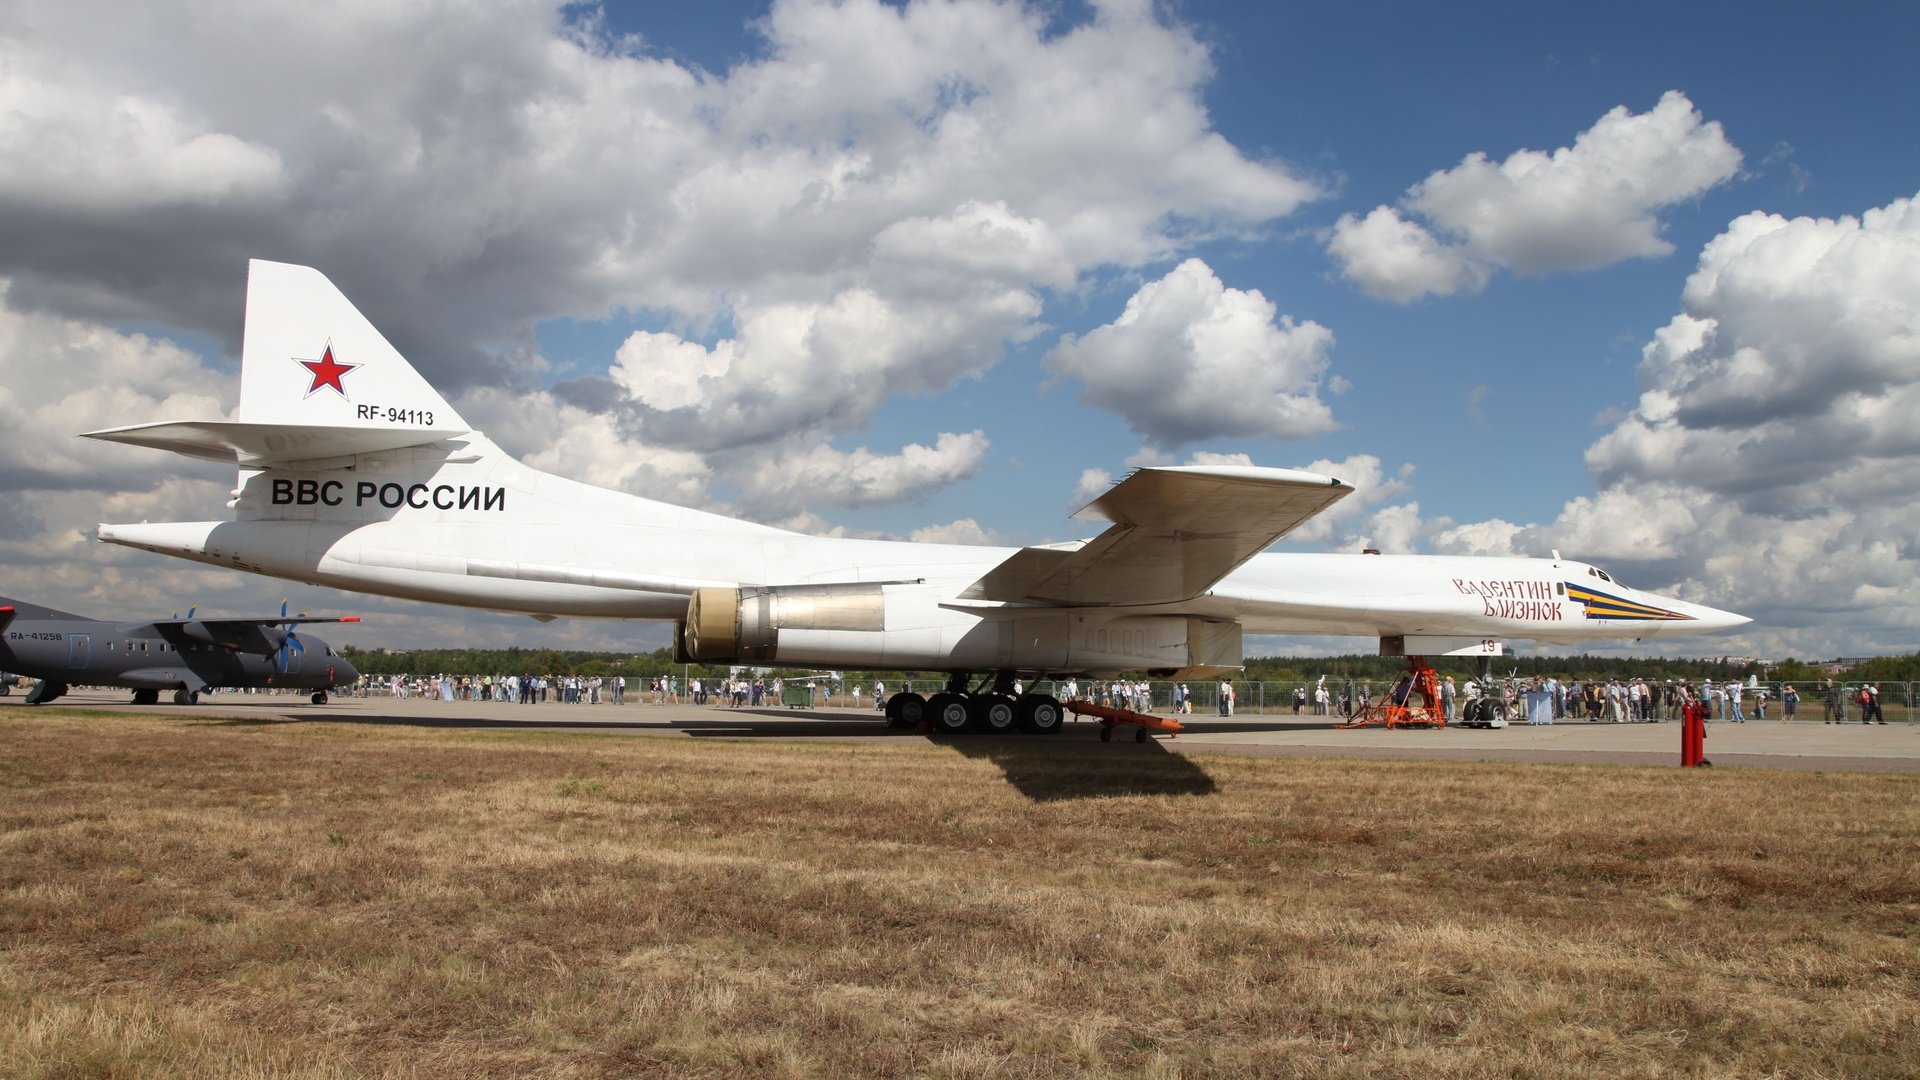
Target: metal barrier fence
1899	702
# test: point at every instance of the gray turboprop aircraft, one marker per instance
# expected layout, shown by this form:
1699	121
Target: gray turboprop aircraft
185	656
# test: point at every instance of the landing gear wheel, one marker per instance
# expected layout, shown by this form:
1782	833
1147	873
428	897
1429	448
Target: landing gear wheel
948	713
1140	735
993	713
1106	732
185	697
319	697
909	708
1039	713
146	697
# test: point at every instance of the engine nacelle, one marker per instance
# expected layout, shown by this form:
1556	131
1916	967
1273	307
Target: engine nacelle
743	625
914	626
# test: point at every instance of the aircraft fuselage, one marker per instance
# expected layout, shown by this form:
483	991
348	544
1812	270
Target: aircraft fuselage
66	650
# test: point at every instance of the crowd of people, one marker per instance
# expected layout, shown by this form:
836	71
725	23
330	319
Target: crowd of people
1612	700
1639	700
737	691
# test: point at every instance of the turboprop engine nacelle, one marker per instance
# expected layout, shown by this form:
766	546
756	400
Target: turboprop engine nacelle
908	626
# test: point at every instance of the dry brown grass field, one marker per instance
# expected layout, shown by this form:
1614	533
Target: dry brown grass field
190	897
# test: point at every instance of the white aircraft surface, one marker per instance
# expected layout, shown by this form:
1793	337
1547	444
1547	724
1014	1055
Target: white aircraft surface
354	473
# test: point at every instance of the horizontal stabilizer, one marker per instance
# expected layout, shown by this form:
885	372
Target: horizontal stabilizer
1176	531
263	445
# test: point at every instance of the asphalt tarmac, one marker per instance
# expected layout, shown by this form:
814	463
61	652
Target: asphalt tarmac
1773	744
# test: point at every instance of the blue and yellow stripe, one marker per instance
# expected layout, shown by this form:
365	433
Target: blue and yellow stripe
1601	605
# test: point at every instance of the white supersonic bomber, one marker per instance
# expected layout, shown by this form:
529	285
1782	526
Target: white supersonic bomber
355	473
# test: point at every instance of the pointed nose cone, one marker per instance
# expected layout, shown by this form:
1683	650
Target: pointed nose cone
1713	620
1696	619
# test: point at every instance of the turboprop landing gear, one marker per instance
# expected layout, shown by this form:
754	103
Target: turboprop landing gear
146	697
319	697
185	697
44	691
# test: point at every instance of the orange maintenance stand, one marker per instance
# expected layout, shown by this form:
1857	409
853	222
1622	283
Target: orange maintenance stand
1399	710
1110	717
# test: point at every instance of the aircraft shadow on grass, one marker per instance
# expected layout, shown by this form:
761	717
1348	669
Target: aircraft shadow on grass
1056	771
1046	769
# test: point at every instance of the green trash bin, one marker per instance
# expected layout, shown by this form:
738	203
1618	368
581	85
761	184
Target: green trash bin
796	696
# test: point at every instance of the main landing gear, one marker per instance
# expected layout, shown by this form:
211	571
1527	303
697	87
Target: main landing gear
181	696
992	711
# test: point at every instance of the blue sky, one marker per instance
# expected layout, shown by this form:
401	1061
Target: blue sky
1494	396
928	269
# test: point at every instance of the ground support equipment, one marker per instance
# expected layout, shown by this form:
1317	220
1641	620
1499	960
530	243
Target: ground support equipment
1109	717
1399	710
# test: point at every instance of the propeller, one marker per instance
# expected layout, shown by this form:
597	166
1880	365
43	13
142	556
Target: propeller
290	645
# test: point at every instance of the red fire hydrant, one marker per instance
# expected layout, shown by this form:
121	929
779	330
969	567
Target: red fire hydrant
1693	735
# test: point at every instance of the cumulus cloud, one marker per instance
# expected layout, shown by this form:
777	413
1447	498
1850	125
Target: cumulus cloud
1770	462
774	484
860	477
63	376
965	531
875	201
1581	207
1791	375
795	368
1191	359
1396	259
466	172
1341	525
101	152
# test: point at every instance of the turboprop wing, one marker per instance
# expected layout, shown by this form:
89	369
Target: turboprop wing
186	656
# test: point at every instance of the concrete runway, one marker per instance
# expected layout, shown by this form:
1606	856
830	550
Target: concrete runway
1774	744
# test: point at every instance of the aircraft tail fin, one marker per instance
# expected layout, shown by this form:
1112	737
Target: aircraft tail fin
317	381
310	359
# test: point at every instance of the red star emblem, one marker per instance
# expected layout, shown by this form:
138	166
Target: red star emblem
326	372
